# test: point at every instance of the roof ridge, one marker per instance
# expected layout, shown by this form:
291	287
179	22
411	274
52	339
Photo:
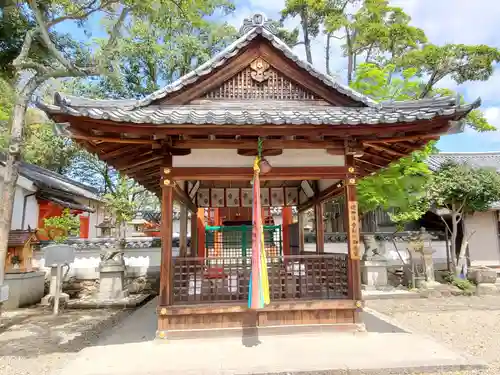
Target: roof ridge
59	176
252	27
467	153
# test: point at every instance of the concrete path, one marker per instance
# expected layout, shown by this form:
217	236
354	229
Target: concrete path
129	349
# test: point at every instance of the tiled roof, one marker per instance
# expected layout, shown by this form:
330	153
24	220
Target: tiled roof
255	112
53	182
273	112
474	159
19	237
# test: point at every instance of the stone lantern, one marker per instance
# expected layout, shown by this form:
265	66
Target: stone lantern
138	224
105	226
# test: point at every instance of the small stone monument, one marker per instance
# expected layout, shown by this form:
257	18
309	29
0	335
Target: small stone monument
111	273
138	223
373	265
57	256
421	247
105	226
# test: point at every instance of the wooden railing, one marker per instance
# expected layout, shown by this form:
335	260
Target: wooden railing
205	280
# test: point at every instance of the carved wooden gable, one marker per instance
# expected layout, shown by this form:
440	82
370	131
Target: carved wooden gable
260	80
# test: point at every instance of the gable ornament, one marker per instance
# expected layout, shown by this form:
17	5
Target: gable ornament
260	71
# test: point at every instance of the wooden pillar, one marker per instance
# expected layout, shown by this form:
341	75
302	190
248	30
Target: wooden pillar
285	222
183	231
194	234
217	218
353	237
301	232
320	229
166	269
200	236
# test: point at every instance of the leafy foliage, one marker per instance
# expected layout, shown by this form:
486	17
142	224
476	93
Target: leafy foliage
463	189
158	48
41	146
460	62
59	228
399	187
119	204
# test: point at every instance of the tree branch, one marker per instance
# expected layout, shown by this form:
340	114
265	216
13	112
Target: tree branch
44	31
25	49
81	13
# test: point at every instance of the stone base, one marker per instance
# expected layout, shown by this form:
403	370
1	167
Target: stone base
482	275
123	303
486	289
111	284
47	300
374	274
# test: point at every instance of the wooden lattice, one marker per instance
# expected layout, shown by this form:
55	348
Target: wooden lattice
274	86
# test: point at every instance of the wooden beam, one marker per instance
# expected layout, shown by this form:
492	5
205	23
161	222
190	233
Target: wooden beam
386	149
143	164
353	236
341	131
423	137
121	151
103	139
370	163
166	265
252	144
320	229
246	174
329	192
376	156
182	197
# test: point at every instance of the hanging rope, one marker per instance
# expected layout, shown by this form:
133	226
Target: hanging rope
260	143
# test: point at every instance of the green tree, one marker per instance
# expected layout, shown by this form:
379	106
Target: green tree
401	186
61	62
311	17
158	49
376	32
59	228
462	189
388	82
120	205
460	62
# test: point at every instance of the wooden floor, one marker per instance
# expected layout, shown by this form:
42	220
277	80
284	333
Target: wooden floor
285	316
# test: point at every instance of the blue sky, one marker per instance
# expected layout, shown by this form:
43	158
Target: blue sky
444	21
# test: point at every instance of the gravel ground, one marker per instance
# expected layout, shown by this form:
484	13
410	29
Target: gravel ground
32	341
466	324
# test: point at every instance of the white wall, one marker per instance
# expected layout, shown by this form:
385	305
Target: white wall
31	210
139	262
483	245
96	218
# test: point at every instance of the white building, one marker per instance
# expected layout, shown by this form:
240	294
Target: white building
41	194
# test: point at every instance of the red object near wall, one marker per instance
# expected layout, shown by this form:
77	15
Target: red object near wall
84	226
46	209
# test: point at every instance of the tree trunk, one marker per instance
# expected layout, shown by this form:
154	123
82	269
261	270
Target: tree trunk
11	172
350	60
327	57
307	40
454	234
461	256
